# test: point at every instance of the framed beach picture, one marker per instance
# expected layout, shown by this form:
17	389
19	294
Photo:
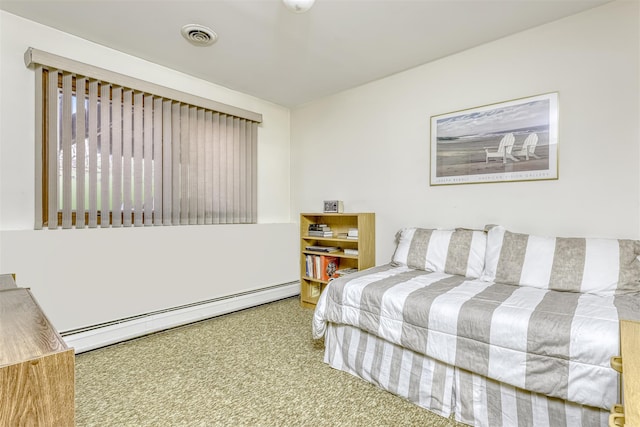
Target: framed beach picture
510	141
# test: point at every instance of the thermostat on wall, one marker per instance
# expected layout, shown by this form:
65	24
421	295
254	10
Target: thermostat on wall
333	206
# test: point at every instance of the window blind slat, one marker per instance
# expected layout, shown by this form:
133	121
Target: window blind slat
202	172
147	155
208	166
242	159
40	138
250	171
81	132
215	161
193	165
105	151
52	149
184	164
222	168
116	160
167	166
176	132
248	190
127	150
138	146
93	153
158	207
254	172
231	154
66	138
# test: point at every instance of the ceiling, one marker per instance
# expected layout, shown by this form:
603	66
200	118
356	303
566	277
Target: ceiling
269	52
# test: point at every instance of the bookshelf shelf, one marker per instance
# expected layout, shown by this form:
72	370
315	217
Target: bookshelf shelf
340	224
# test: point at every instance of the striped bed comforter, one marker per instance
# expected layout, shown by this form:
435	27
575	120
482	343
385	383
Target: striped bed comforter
545	341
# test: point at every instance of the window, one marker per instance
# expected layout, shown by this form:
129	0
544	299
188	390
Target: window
117	151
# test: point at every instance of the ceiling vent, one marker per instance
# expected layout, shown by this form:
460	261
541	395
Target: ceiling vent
199	35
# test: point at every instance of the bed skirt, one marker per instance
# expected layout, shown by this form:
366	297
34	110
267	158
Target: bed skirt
444	389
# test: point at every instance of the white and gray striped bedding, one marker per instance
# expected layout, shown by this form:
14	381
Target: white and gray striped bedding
586	265
554	343
443	389
483	402
460	251
422	380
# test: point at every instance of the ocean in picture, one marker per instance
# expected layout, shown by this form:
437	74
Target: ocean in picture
463	140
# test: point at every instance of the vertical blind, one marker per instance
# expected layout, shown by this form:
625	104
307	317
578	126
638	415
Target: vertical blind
120	156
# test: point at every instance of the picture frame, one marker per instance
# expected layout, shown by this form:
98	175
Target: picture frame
509	141
333	206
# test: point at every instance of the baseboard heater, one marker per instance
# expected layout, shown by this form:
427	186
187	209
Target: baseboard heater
101	335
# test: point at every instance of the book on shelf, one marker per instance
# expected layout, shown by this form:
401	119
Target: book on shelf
353	232
318	248
328	267
314	290
317	272
320	233
348	251
352	237
309	265
319	227
319	230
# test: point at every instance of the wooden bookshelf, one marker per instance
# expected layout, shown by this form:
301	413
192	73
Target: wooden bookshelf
340	223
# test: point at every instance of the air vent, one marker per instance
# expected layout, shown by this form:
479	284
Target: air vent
199	35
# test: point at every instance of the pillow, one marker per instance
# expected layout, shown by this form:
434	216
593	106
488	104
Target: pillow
459	251
586	265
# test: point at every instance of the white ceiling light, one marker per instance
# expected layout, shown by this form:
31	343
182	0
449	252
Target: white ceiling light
199	35
298	6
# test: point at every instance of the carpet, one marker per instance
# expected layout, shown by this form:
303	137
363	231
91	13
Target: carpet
256	367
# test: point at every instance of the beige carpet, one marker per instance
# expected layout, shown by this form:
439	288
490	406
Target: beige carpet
257	367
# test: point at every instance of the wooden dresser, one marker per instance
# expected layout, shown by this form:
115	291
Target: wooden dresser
36	366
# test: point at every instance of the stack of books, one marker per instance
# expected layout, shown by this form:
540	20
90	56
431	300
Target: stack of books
348	251
322	267
320	230
352	234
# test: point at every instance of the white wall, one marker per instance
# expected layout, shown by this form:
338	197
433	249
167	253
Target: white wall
370	146
150	268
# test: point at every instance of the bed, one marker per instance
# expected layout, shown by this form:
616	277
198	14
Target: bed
498	328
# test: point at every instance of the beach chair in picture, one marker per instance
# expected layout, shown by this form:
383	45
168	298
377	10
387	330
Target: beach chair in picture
528	147
504	149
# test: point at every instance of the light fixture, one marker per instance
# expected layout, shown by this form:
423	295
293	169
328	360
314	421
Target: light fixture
298	6
199	35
